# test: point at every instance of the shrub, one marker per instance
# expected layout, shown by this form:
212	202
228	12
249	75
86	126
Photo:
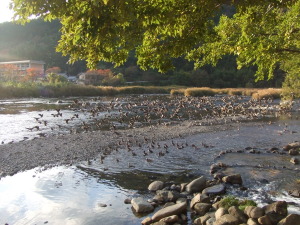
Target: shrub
267	93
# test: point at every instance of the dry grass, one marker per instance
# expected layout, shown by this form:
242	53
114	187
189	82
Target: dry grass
270	93
199	92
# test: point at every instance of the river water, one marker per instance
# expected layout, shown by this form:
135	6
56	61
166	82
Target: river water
76	194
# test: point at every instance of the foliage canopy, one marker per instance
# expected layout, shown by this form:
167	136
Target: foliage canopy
265	33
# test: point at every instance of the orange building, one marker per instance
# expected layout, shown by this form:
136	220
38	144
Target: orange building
23	65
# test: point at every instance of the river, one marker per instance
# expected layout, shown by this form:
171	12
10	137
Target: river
77	194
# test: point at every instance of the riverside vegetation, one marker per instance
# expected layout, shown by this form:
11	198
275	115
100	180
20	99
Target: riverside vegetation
64	89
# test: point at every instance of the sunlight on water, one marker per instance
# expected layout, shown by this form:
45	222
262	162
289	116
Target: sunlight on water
62	196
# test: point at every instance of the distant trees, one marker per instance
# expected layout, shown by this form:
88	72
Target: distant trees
9	72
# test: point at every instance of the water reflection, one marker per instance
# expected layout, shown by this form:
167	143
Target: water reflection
63	196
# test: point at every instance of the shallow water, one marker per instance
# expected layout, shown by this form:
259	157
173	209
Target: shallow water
73	195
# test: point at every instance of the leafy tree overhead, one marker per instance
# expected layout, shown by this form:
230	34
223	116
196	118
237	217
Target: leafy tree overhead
261	33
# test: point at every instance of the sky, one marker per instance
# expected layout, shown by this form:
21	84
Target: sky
5	14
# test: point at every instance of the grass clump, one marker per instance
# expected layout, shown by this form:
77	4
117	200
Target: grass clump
229	201
199	92
270	93
177	91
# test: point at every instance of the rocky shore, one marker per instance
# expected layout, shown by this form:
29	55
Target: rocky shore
204	202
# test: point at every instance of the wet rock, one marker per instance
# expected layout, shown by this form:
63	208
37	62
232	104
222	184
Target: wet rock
293	152
264	220
170	219
140	205
199	198
102	205
196	185
169	211
251	221
237	213
254	212
227	219
292	219
294	161
156	185
216	167
220	212
215	190
233	179
293	145
202	208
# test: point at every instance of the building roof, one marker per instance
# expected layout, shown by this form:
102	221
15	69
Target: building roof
24	61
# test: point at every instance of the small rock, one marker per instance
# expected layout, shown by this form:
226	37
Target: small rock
237	213
169	211
254	212
293	152
292	146
264	220
183	186
156	185
147	221
140	205
167	196
196	185
227	219
251	221
292	219
170	219
199	198
215	190
202	208
102	205
202	220
295	193
233	179
294	161
220	212
127	201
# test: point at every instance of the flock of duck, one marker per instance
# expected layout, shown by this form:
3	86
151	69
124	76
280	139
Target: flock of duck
149	110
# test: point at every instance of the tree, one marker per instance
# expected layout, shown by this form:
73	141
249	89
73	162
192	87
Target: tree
261	33
32	74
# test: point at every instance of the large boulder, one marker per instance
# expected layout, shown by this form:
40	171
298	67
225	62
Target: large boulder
202	208
233	179
196	185
227	219
292	219
140	205
169	211
215	190
254	212
156	185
